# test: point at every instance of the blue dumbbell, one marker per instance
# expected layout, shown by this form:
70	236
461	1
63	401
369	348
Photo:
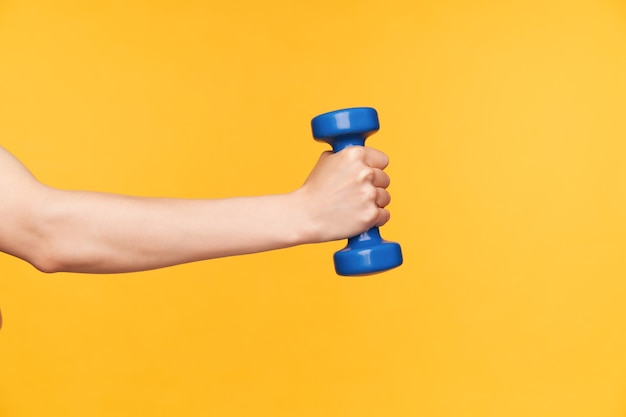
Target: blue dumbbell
366	253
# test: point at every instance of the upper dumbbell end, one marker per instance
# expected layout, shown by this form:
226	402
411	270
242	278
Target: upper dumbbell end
361	121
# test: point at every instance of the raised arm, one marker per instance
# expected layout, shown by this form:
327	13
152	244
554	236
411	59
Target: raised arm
57	230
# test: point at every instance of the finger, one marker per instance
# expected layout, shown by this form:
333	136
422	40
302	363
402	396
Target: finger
376	158
383	217
380	178
383	198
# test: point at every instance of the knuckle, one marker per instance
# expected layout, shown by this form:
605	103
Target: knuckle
355	153
370	194
366	174
370	215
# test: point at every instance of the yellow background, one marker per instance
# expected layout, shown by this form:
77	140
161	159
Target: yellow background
505	123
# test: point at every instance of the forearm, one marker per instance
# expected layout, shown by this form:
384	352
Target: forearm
344	195
104	233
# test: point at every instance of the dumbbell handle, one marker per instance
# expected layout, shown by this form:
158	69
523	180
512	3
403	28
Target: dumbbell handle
344	141
339	144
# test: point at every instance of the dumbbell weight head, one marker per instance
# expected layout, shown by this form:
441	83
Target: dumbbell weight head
341	128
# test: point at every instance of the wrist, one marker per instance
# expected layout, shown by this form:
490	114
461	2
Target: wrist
303	222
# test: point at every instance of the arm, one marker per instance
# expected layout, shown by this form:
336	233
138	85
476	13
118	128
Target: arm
57	230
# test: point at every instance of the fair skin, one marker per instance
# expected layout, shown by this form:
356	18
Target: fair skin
80	231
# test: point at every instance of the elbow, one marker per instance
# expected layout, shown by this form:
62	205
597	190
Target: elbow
38	226
51	248
50	254
46	268
40	252
61	255
48	261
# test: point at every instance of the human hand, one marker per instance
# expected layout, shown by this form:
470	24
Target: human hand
345	194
